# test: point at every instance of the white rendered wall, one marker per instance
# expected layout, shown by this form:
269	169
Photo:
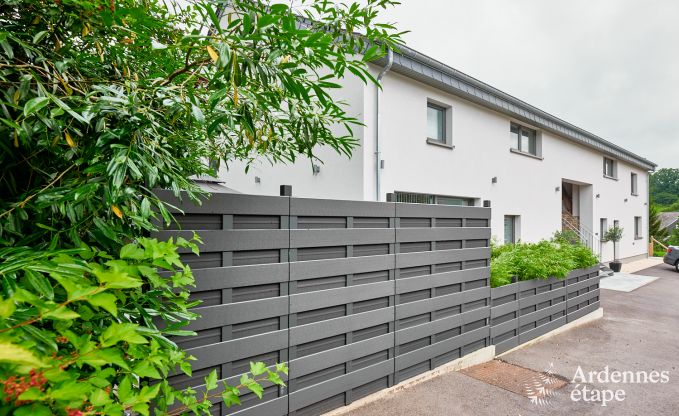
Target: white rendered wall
525	186
340	177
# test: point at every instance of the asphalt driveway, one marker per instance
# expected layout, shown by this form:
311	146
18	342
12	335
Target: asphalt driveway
639	333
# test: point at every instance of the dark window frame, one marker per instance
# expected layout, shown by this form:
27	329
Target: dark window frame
444	127
614	171
519	147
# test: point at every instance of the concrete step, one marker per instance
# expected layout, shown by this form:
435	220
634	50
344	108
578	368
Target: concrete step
604	270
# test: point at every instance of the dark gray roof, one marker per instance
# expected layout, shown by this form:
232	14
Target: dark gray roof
420	67
668	218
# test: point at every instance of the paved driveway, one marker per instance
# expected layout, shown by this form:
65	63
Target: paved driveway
639	332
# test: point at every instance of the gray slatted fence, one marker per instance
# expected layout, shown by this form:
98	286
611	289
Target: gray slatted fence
525	310
356	296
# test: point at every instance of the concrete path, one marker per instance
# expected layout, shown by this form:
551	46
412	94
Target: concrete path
635	266
639	332
625	282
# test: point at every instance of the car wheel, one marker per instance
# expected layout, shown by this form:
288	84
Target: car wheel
676	266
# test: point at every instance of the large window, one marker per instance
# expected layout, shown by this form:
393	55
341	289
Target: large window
436	123
638	233
524	139
634	184
609	168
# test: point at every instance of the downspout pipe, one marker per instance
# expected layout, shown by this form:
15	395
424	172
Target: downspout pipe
387	67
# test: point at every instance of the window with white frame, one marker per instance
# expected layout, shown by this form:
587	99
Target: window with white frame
638	232
603	227
610	168
633	179
524	139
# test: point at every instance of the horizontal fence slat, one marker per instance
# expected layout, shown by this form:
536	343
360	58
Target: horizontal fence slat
442	256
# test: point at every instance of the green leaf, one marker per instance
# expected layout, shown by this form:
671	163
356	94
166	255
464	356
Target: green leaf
99	397
185	366
116	279
230	395
146	369
121	332
34	104
106	301
34	409
275	378
125	391
7	308
132	251
141	408
257	368
106	356
62	313
40	283
282	368
256	388
149	393
211	380
32	394
71	391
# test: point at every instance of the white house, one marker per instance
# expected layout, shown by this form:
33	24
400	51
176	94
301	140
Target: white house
441	136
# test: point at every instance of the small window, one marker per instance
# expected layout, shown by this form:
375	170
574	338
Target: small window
415	198
603	227
524	139
616	223
634	184
637	228
436	123
510	229
609	168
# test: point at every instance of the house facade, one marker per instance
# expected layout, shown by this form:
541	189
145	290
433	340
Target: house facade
440	136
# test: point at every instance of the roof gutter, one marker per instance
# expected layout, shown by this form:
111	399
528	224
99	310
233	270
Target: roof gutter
378	90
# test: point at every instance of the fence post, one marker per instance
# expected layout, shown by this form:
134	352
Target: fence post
286	190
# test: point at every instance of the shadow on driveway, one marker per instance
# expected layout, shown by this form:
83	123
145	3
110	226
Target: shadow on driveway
639	332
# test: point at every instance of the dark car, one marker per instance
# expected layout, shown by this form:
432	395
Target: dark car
672	257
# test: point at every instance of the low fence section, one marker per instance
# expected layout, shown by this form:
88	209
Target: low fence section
525	310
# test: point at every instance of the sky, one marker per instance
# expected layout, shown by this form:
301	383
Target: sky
610	67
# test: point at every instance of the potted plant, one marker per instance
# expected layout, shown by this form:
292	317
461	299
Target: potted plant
614	234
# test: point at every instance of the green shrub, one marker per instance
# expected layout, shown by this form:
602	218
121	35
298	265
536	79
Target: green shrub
541	260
